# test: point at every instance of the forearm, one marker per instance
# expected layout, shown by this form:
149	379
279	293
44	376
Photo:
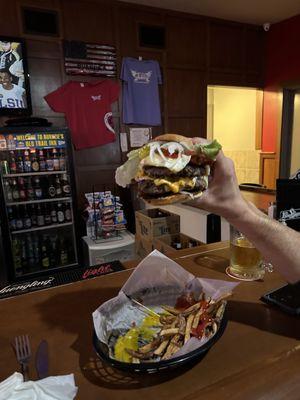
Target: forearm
278	244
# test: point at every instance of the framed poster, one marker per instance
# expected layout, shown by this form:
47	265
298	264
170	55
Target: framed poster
14	79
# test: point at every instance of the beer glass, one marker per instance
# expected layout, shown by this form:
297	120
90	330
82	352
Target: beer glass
245	260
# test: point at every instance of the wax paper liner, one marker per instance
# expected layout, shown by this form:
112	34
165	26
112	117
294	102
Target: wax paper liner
156	281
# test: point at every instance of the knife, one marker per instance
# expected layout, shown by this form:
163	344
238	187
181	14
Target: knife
41	360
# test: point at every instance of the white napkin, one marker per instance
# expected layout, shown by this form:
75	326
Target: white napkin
51	388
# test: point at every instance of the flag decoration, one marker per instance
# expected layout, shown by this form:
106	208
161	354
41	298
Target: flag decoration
90	59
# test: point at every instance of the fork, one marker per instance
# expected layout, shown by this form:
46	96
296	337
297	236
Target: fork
23	353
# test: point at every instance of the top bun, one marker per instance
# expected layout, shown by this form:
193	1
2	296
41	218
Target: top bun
173	137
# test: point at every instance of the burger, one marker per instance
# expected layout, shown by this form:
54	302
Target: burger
170	169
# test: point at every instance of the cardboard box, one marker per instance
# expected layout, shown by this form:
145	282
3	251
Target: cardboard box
156	222
163	243
143	246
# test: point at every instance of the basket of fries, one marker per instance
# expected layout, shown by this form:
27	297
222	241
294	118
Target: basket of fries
162	318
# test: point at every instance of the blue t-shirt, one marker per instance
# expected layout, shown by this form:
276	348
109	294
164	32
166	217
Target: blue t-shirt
140	91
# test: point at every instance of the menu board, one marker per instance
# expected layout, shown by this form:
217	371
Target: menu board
19	141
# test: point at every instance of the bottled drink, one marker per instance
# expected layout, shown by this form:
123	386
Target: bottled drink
45	255
15	190
51	188
22	191
4	167
29	189
16	252
20	163
58	186
66	188
42	161
24	259
26	219
26	161
35	166
60	213
55	160
47	215
68	213
49	161
62	160
8	191
53	214
63	253
53	252
19	218
36	250
11	214
30	252
40	216
33	215
12	163
38	193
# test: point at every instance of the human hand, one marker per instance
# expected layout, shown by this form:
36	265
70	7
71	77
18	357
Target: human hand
223	195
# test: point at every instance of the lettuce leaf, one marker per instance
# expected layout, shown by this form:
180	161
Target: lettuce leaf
126	172
211	150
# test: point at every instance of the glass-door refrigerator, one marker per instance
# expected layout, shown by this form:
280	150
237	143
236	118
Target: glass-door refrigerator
38	201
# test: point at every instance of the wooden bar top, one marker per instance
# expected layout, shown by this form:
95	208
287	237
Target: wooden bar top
258	357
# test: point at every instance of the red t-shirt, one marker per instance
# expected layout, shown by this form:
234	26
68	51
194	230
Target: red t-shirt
87	107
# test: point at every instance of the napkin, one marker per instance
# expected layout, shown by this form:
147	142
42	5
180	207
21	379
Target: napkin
51	388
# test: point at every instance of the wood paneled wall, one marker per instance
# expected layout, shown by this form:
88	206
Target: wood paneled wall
199	51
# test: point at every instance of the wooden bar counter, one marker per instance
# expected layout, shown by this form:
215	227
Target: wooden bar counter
258	357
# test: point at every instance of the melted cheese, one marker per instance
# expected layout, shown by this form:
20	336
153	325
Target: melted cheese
178	185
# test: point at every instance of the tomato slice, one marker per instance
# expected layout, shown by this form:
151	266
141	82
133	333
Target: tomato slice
167	154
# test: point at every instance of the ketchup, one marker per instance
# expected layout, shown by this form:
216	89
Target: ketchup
167	154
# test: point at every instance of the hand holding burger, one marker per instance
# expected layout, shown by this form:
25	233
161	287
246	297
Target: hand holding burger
170	169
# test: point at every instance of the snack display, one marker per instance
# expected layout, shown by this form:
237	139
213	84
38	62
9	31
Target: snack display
104	214
170	169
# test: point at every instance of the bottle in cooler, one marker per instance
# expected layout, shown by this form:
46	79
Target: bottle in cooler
15	190
22	191
26	218
42	161
12	163
8	191
27	161
58	186
49	161
20	163
55	160
35	166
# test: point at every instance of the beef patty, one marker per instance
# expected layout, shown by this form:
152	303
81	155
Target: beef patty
149	188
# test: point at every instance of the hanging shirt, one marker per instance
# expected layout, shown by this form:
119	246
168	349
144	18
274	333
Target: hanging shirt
12	98
87	107
140	92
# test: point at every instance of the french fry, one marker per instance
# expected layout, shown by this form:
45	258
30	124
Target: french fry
150	346
191	309
162	347
169	332
181	325
135	360
171	310
188	327
172	348
197	318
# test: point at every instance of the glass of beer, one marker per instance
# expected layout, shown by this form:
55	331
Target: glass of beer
245	260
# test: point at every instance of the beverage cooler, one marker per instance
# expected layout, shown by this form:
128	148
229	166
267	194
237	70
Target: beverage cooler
37	201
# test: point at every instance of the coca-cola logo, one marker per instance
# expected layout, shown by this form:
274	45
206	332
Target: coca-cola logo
24	286
96	271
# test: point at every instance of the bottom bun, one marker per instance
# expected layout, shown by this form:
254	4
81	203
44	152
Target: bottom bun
173	198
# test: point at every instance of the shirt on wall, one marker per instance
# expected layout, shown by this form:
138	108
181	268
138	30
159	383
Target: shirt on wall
140	91
12	98
87	107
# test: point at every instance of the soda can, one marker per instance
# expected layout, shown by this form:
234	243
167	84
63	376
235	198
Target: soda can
4	167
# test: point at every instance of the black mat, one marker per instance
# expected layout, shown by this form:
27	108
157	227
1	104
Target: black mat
59	278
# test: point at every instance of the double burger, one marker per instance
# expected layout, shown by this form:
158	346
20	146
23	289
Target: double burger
170	169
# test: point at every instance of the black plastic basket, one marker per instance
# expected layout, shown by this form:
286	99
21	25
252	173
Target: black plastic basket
151	367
